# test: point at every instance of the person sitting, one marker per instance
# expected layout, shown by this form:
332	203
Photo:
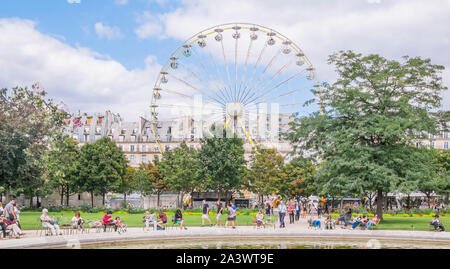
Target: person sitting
149	219
341	218
178	219
364	221
49	223
347	217
436	222
119	223
317	222
77	221
108	221
356	221
162	219
373	221
329	223
260	219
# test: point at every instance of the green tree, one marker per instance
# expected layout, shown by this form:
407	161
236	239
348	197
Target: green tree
149	181
374	112
29	123
264	174
61	159
443	171
297	178
127	184
100	168
179	169
222	164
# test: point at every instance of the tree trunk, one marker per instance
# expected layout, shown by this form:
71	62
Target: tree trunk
62	195
92	199
125	198
380	204
158	201
31	201
67	195
103	199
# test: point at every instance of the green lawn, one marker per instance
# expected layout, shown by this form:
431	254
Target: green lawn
405	223
30	220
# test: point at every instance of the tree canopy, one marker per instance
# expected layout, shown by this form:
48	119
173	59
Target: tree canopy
373	114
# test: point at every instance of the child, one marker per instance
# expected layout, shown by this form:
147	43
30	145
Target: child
119	223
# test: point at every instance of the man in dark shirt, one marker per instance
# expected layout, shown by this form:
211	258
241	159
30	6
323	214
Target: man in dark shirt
219	213
205	213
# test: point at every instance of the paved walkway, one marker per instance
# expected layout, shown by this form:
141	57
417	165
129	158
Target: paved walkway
299	230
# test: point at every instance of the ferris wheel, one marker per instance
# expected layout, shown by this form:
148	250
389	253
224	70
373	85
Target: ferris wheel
225	74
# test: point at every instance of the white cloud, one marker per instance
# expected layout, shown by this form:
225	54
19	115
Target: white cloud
121	2
389	28
74	1
80	77
108	32
149	26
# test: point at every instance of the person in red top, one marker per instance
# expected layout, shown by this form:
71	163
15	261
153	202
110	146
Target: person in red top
291	209
108	221
373	221
162	219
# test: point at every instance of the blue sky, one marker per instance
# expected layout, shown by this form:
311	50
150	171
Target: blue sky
106	54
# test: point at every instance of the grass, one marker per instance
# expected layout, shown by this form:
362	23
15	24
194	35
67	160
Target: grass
30	220
405	223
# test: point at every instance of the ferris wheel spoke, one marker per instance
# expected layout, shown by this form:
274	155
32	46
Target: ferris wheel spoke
255	66
281	95
219	75
191	106
188	96
195	88
216	84
246	87
267	82
235	70
201	81
226	67
245	68
269	64
273	88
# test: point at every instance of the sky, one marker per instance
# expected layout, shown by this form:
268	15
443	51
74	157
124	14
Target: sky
96	55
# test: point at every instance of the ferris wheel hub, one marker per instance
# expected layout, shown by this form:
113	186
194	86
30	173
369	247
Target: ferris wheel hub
235	109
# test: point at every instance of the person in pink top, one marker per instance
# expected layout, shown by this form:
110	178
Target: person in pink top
291	209
372	221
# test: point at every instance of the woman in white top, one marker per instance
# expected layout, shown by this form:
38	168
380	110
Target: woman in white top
77	221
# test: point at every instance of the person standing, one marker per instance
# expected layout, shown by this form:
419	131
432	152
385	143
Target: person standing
268	209
205	215
282	210
297	211
291	209
234	207
9	211
219	213
17	213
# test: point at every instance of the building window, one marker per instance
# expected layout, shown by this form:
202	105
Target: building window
97	137
132	148
85	138
144	159
121	147
131	158
121	138
156	148
431	144
98	130
79	197
133	138
445	135
445	145
144	148
417	144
